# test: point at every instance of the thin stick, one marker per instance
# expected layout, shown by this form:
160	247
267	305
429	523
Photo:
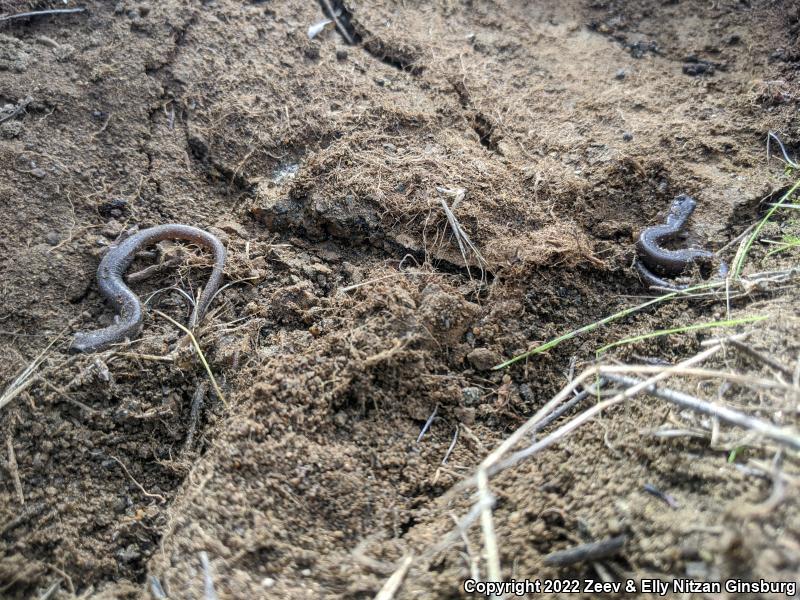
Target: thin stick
489	540
208	581
580	397
586	552
765	359
12	467
472	560
194	413
394	582
452	445
339	26
139	485
199	353
783	436
490	463
23	380
428	423
42	13
51	591
696	372
600	407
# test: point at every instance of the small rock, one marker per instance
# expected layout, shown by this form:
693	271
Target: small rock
38	172
483	359
113	208
112	229
620	74
466	415
341	55
471	395
698	68
267	582
11	129
627	136
52	238
526	393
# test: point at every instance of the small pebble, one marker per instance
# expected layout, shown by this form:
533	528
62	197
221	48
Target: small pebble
112	229
52	238
341	55
267	582
39	173
483	359
621	74
471	395
698	68
627	136
113	208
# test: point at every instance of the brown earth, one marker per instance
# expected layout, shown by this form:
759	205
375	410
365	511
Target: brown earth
351	315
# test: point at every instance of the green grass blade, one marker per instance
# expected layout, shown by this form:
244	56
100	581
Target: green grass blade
686	328
592	326
736	270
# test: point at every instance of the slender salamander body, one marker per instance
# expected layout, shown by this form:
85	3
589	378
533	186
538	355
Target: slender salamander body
652	256
125	302
670	262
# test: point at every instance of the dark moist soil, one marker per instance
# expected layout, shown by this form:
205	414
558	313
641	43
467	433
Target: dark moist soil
351	315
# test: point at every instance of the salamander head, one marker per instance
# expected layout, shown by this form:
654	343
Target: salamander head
683	205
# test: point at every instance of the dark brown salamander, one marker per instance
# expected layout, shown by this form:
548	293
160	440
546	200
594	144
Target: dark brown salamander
654	258
125	302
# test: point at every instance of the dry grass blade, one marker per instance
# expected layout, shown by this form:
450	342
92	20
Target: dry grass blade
464	243
589	414
486	503
491	464
23	380
199	353
723	413
394	582
42	13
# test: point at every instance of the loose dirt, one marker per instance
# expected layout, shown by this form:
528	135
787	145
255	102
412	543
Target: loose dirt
555	131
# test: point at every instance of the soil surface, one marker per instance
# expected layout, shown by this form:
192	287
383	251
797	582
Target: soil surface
551	131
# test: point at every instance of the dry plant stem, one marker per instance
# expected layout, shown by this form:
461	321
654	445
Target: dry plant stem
51	591
194	414
24	379
339	27
428	423
460	234
208	581
597	409
486	503
743	380
580	397
42	13
723	413
586	552
394	582
491	464
158	497
452	446
765	359
199	353
12	467
472	560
